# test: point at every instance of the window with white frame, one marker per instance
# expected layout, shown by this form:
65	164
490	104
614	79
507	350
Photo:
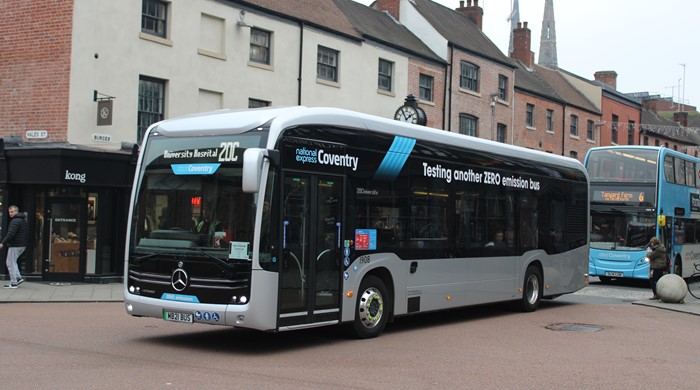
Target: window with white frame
468	125
590	135
327	64
502	87
469	76
260	46
257	103
154	17
426	87
630	133
615	119
384	80
573	126
550	121
530	115
151	105
501	132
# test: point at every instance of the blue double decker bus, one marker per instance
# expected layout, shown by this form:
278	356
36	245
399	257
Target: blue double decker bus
638	192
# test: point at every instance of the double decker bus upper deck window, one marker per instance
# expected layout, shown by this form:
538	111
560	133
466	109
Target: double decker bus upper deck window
637	165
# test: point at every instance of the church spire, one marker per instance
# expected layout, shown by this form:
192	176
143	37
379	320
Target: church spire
548	38
514	19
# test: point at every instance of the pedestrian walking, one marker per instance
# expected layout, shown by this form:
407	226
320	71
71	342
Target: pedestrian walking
16	241
658	263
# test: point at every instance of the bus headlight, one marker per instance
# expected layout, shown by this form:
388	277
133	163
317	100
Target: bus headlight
244	299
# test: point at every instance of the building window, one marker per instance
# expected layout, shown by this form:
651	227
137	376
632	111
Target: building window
656	142
257	103
386	69
589	130
260	46
574	126
151	104
630	133
501	132
550	121
469	76
468	125
530	115
646	140
614	128
327	64
154	17
502	87
426	87
573	154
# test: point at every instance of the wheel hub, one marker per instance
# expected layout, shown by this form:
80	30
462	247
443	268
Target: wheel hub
371	307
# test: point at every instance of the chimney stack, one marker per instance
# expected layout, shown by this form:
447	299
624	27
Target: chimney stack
681	118
390	6
608	77
521	45
473	12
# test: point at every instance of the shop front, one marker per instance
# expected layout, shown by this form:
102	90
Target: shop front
76	203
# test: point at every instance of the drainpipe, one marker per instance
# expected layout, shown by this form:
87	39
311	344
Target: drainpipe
563	129
301	61
448	80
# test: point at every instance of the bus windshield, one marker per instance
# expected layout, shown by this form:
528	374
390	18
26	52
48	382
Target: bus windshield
190	197
620	165
618	230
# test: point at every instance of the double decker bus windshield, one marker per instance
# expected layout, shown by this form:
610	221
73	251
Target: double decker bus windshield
190	198
622	230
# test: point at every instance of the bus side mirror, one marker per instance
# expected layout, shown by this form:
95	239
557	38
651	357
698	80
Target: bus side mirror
662	220
252	169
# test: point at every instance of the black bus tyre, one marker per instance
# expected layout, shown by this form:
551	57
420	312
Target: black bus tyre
532	290
677	268
694	285
371	308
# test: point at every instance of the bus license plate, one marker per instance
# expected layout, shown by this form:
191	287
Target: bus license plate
177	317
614	274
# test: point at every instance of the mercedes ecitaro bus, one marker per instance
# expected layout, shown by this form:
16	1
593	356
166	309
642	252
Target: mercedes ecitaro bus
288	218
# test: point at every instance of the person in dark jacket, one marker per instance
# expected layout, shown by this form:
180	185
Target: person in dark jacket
658	263
16	241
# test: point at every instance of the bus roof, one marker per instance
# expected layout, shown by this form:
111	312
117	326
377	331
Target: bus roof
281	118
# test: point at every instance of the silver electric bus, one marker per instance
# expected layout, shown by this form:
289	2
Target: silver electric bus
287	218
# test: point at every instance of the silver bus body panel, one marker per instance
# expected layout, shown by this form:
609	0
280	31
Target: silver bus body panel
258	313
435	279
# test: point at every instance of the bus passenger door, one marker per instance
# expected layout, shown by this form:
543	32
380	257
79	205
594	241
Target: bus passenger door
311	259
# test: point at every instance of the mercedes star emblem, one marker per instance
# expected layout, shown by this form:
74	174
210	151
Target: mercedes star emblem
179	279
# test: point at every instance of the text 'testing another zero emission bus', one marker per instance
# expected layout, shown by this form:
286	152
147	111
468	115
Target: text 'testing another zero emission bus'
638	192
287	218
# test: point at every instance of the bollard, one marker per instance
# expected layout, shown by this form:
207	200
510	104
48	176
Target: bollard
671	288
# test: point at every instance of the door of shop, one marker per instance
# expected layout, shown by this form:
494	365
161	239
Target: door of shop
64	248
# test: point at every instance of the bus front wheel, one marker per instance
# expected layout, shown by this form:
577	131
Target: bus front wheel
371	309
677	267
532	290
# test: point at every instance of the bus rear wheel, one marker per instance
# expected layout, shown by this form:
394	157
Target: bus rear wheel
371	309
532	290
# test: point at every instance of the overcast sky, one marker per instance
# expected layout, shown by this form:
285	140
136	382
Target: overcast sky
644	41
